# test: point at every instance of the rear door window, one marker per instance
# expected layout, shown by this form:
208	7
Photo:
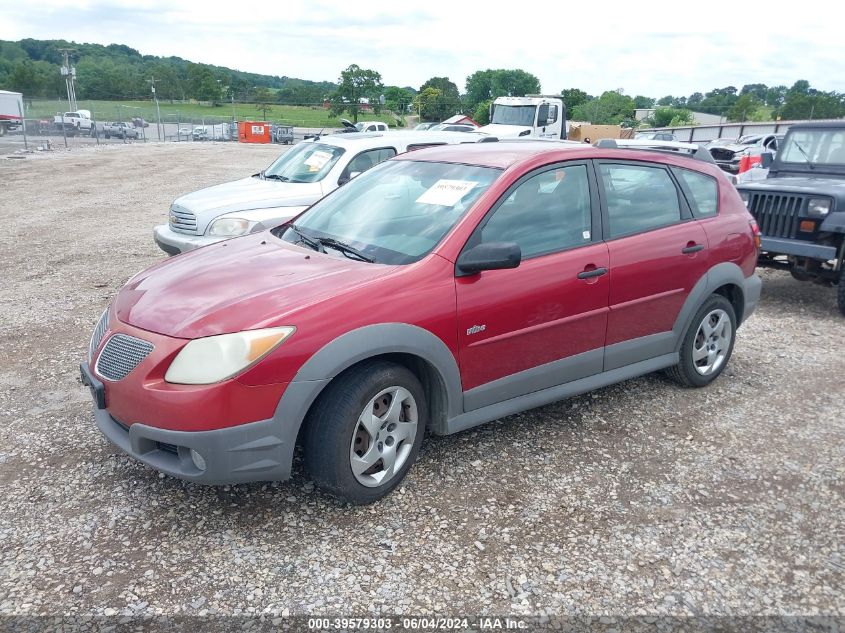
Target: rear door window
638	198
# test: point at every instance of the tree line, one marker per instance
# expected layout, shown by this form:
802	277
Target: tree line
118	72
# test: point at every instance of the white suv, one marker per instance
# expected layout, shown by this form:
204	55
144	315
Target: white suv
298	178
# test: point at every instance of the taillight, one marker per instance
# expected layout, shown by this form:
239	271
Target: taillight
747	161
755	231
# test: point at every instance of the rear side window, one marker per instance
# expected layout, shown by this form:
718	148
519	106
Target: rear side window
639	198
703	190
365	160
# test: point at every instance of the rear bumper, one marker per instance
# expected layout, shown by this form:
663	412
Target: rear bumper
258	451
799	248
174	243
753	286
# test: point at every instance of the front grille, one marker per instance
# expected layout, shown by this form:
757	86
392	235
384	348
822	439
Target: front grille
121	355
98	334
722	154
182	220
776	214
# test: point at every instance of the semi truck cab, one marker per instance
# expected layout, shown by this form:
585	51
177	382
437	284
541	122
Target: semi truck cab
531	116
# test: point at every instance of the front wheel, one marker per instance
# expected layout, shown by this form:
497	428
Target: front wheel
707	344
365	431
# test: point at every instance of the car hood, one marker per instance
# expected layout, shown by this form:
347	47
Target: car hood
240	284
248	193
504	131
830	186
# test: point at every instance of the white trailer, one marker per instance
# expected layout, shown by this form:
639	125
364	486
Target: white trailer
11	111
531	116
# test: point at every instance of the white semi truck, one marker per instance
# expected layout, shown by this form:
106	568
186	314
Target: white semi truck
11	111
531	116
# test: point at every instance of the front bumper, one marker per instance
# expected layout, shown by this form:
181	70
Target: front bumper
255	451
799	248
174	243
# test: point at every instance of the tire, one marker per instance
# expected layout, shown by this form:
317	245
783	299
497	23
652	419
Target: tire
840	294
108	135
800	276
707	344
346	460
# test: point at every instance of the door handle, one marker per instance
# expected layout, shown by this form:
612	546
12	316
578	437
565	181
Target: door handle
692	248
595	272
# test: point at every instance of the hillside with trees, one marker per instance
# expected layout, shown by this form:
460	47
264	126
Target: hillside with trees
118	72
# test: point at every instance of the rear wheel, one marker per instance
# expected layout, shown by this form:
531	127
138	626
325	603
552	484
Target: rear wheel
707	345
365	431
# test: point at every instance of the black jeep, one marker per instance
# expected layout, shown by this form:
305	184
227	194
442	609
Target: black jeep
800	206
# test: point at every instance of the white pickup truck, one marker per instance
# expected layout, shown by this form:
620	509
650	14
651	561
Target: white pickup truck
74	122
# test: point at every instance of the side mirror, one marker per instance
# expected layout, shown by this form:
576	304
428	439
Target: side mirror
766	160
543	115
490	256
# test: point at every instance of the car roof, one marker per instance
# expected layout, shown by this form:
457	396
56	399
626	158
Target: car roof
817	124
500	154
364	140
504	154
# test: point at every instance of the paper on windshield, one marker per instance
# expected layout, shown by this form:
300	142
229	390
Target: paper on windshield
317	160
446	192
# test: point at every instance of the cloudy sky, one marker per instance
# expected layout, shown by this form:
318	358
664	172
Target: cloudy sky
648	47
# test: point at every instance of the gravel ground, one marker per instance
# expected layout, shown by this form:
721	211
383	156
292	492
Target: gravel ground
642	498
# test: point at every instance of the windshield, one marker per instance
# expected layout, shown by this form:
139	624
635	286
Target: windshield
514	115
306	162
396	212
819	147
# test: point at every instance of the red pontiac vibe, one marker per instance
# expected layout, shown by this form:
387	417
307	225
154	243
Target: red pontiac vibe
439	290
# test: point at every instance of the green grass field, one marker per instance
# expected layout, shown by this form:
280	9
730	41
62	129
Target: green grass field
300	116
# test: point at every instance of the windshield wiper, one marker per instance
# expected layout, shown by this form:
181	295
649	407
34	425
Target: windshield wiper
346	249
312	242
259	175
277	177
801	149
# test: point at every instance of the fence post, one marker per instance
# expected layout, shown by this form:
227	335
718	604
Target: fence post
23	127
64	131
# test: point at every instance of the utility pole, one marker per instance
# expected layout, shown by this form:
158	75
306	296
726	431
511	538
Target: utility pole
69	73
152	82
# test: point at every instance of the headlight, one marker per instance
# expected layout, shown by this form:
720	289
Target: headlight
204	361
230	227
745	197
818	206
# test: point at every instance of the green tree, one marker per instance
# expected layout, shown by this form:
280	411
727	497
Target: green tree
355	84
479	88
482	112
263	98
641	102
441	104
611	108
429	103
745	107
513	83
397	99
573	97
483	85
669	116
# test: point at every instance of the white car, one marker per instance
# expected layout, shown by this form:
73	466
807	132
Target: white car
298	178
